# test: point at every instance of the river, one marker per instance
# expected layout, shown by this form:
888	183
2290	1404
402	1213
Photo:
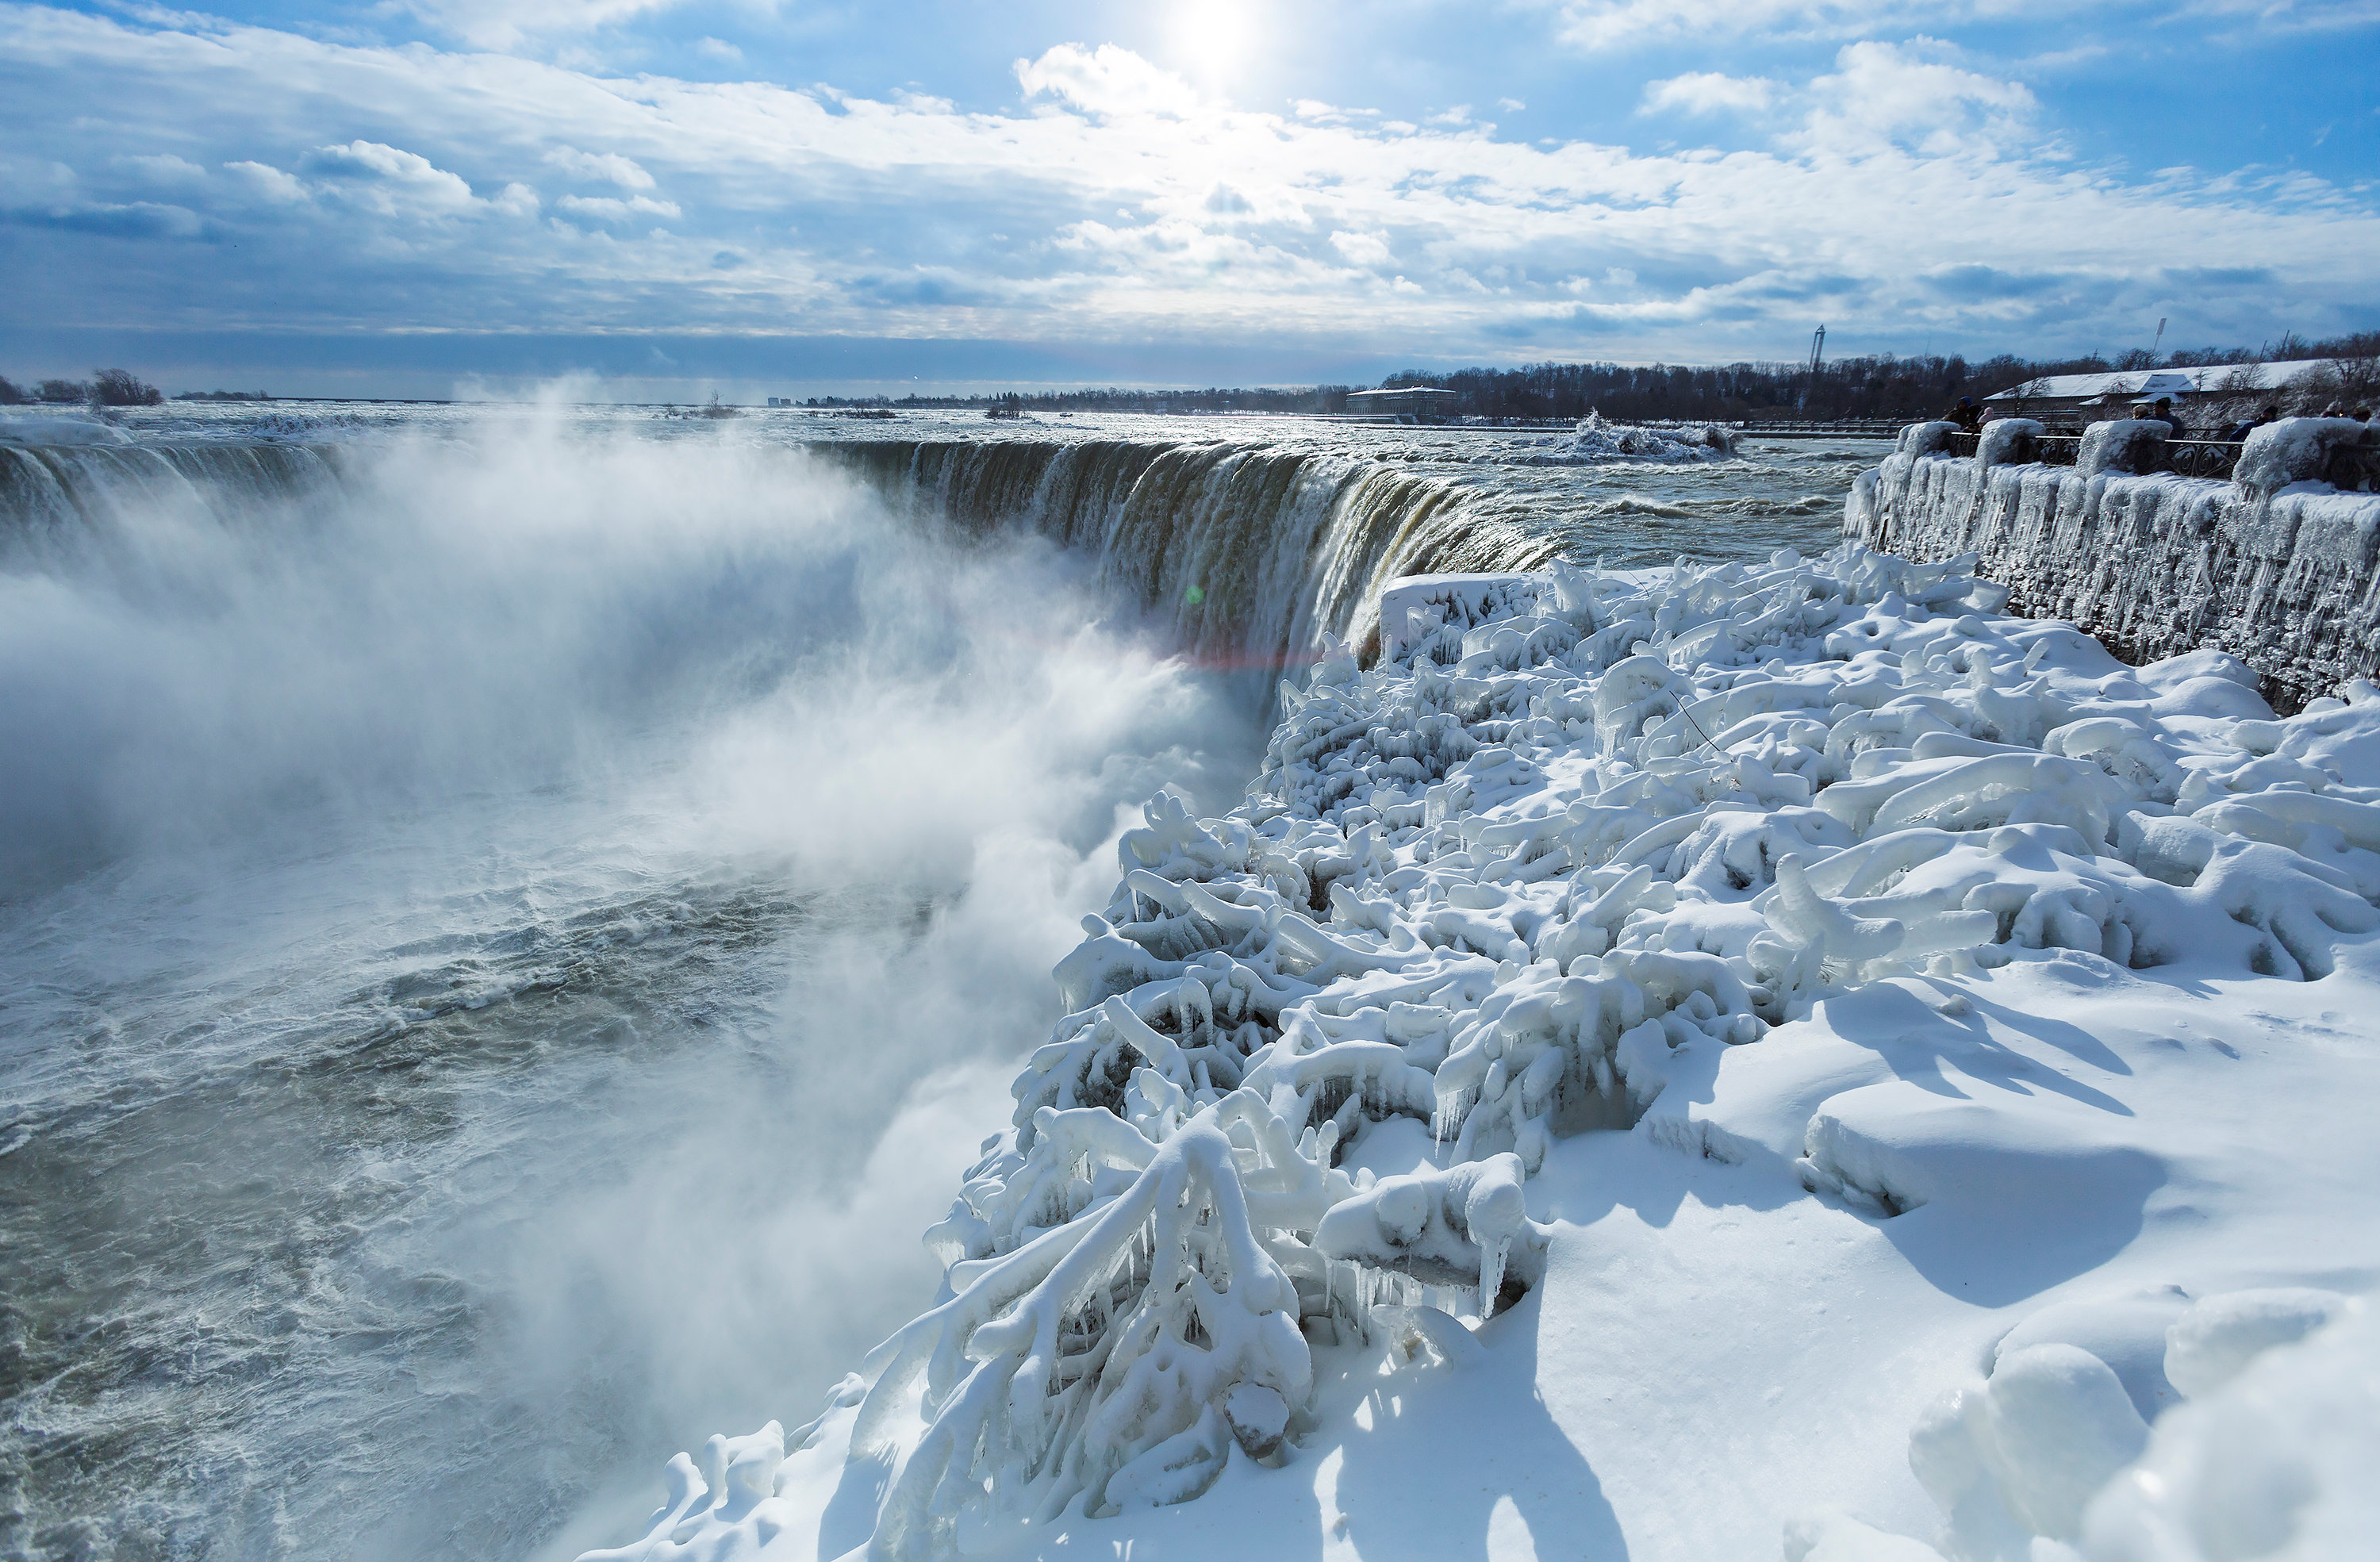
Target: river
478	884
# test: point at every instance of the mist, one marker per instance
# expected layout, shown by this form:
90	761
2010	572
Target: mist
511	943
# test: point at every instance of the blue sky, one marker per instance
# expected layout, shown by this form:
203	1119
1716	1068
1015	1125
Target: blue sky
678	195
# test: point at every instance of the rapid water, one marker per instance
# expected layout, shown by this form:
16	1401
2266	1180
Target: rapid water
464	876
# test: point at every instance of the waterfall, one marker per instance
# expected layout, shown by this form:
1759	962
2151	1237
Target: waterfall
1252	553
53	492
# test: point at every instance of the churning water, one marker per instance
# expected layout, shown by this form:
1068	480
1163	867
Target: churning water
465	877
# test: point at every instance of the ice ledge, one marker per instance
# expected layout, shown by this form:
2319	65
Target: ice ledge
2279	568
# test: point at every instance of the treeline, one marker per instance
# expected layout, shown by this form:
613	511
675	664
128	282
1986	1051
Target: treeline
1880	386
106	387
1883	385
1303	398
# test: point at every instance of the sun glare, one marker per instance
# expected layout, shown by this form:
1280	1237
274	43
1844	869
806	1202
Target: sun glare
1210	39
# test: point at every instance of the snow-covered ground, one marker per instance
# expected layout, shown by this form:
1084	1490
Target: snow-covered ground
1717	1063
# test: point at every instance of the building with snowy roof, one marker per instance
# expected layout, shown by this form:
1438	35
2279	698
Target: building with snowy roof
1412	401
2109	394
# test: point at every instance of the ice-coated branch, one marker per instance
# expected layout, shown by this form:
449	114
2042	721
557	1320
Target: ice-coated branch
1574	840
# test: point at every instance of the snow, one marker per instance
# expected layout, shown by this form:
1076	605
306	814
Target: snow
2134	383
2298	449
1595	443
1773	1060
2275	1461
2277	569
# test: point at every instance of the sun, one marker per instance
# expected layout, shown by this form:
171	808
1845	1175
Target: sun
1212	39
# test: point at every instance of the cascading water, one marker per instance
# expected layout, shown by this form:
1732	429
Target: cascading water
1254	551
472	902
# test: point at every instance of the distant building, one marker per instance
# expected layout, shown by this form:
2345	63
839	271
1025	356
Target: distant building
1418	401
781	401
2096	397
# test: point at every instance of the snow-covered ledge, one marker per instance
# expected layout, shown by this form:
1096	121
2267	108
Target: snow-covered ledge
1768	1060
2277	567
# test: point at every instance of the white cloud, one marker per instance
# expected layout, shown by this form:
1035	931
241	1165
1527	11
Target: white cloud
1106	80
611	208
1362	248
386	178
1611	24
264	180
1596	25
2268	17
1702	91
508	24
865	217
609	166
1614	24
161	168
718	49
1909	94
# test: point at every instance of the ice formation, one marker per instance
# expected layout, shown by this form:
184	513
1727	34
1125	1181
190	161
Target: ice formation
1595	443
1576	839
2276	567
49	427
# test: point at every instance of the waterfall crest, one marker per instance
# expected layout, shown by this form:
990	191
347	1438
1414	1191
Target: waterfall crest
1253	553
53	491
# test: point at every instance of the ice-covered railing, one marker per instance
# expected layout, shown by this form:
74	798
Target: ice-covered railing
2279	566
1574	836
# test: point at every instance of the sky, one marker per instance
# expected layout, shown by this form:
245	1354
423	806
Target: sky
808	196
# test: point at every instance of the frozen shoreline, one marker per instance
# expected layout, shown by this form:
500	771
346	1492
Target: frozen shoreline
1783	1000
2276	567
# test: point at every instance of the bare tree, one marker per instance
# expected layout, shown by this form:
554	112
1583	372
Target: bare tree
120	387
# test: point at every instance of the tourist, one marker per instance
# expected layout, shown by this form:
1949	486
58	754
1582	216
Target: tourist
1964	415
2239	432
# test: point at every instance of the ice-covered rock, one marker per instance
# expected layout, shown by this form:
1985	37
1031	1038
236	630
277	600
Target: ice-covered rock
1574	844
1595	443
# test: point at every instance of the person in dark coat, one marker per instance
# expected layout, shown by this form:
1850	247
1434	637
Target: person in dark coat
2164	413
2239	432
1965	415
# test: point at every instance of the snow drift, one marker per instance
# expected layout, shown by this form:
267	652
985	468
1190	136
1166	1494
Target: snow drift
1582	851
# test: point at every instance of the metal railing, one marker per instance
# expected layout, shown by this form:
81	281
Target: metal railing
1840	428
2189	458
